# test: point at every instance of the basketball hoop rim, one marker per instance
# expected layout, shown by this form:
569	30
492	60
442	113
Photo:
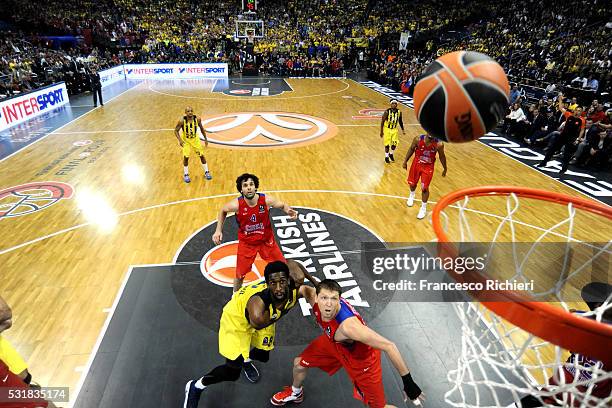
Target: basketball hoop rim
551	323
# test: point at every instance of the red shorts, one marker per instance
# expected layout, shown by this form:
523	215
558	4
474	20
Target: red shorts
268	251
321	353
11	382
423	171
602	389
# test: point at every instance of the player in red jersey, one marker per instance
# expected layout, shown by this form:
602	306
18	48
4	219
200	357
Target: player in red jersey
424	148
347	342
254	228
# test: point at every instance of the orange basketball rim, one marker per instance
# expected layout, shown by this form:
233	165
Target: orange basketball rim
551	323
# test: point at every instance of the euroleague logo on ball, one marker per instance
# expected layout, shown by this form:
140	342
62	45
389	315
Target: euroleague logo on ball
219	266
327	244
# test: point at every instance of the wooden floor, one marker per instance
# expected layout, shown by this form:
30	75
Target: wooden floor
61	268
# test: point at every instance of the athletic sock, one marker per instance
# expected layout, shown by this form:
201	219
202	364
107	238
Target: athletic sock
296	391
198	384
205	165
185	170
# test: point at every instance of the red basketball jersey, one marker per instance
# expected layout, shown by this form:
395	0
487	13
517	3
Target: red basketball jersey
253	222
426	154
352	355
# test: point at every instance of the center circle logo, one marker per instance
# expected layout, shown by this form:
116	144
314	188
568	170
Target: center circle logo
267	129
329	245
219	266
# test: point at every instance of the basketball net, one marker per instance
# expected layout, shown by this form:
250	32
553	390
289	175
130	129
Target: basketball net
501	362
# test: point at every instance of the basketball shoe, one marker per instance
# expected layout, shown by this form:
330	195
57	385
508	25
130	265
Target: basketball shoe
287	395
250	372
422	212
207	175
192	395
186	178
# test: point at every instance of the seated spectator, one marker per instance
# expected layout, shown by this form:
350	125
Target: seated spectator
513	119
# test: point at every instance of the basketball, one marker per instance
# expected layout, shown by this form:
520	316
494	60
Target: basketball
461	96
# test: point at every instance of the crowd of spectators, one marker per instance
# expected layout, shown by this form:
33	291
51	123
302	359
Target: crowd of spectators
542	43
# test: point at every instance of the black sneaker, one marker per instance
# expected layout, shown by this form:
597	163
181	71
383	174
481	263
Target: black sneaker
250	372
387	160
392	158
192	395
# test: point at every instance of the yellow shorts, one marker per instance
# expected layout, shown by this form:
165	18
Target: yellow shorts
192	143
11	357
390	137
234	342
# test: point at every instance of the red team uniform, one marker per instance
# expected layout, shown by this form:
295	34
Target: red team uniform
254	236
361	362
11	382
423	164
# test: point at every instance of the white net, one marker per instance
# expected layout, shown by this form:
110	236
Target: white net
502	365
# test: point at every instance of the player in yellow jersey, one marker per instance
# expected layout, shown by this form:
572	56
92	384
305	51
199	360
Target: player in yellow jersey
189	139
247	329
388	130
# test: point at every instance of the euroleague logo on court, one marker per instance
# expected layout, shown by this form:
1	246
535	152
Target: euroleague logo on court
267	129
328	245
28	198
219	265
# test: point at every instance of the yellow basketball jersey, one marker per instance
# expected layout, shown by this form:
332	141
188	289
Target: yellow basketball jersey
190	127
392	118
235	313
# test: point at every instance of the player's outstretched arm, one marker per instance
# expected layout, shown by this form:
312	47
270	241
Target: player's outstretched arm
355	330
410	151
230	207
276	203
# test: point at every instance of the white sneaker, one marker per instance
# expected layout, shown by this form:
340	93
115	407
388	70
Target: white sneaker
410	201
422	212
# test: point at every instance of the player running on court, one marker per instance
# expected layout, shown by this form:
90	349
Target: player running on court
424	148
388	130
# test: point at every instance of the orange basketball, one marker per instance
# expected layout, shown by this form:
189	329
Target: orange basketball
461	96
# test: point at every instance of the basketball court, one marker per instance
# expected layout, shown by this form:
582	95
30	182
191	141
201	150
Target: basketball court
107	258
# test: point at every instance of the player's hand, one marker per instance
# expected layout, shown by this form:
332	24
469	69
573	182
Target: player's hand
381	135
412	390
181	143
405	165
418	402
217	237
292	213
444	173
403	132
206	142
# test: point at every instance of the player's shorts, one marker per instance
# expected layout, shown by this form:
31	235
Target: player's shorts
602	389
321	353
9	380
269	252
420	171
11	357
390	136
234	342
192	143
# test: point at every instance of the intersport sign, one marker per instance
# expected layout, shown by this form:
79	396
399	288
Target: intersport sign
19	109
175	71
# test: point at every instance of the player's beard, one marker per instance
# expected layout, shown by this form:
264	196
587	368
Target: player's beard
249	196
284	298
